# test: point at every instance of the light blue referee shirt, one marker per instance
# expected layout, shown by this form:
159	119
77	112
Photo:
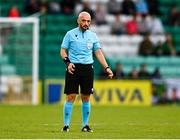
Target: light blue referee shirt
80	45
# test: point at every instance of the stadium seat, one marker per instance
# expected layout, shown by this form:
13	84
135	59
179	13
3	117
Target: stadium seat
151	61
3	85
111	18
165	2
156	38
102	30
123	47
7	69
3	59
177	38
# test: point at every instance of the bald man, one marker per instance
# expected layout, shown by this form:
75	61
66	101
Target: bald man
77	50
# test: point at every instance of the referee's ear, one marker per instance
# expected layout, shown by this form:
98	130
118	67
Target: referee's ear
78	21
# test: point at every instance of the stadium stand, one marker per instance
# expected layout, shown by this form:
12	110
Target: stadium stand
5	67
57	26
121	48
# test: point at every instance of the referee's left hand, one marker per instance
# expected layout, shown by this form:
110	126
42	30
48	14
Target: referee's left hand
109	73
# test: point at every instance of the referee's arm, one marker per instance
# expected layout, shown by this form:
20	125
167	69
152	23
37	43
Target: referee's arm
70	66
103	62
63	53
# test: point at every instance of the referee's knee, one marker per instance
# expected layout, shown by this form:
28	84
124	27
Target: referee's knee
85	98
71	98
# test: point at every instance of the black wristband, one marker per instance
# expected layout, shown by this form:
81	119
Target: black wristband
107	68
66	60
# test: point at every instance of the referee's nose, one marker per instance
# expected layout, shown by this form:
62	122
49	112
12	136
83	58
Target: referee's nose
86	23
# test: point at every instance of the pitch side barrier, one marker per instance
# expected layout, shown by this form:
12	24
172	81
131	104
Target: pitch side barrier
108	92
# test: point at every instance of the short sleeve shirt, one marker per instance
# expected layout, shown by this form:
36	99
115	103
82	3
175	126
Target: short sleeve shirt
80	45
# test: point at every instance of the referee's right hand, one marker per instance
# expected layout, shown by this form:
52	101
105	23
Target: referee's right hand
71	68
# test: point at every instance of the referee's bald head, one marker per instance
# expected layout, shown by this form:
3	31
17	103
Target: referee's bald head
84	20
84	13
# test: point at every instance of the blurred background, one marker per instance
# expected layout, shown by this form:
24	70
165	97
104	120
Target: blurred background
140	39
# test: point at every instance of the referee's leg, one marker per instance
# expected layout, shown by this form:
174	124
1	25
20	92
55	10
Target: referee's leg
67	111
71	90
86	108
86	84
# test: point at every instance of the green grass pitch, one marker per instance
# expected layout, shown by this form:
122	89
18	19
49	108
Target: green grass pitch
108	122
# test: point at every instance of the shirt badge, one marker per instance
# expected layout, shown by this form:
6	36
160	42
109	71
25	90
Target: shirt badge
89	44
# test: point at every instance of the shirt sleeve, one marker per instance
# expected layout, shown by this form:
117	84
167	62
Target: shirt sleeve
65	42
96	44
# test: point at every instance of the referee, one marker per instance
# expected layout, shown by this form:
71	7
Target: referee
77	50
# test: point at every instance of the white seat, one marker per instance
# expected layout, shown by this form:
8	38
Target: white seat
123	39
108	38
3	84
110	18
120	50
128	50
156	38
130	40
101	30
3	89
3	79
124	18
136	39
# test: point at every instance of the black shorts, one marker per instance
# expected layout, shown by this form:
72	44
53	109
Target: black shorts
83	76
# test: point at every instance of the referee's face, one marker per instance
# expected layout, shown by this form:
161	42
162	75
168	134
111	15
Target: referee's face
84	21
